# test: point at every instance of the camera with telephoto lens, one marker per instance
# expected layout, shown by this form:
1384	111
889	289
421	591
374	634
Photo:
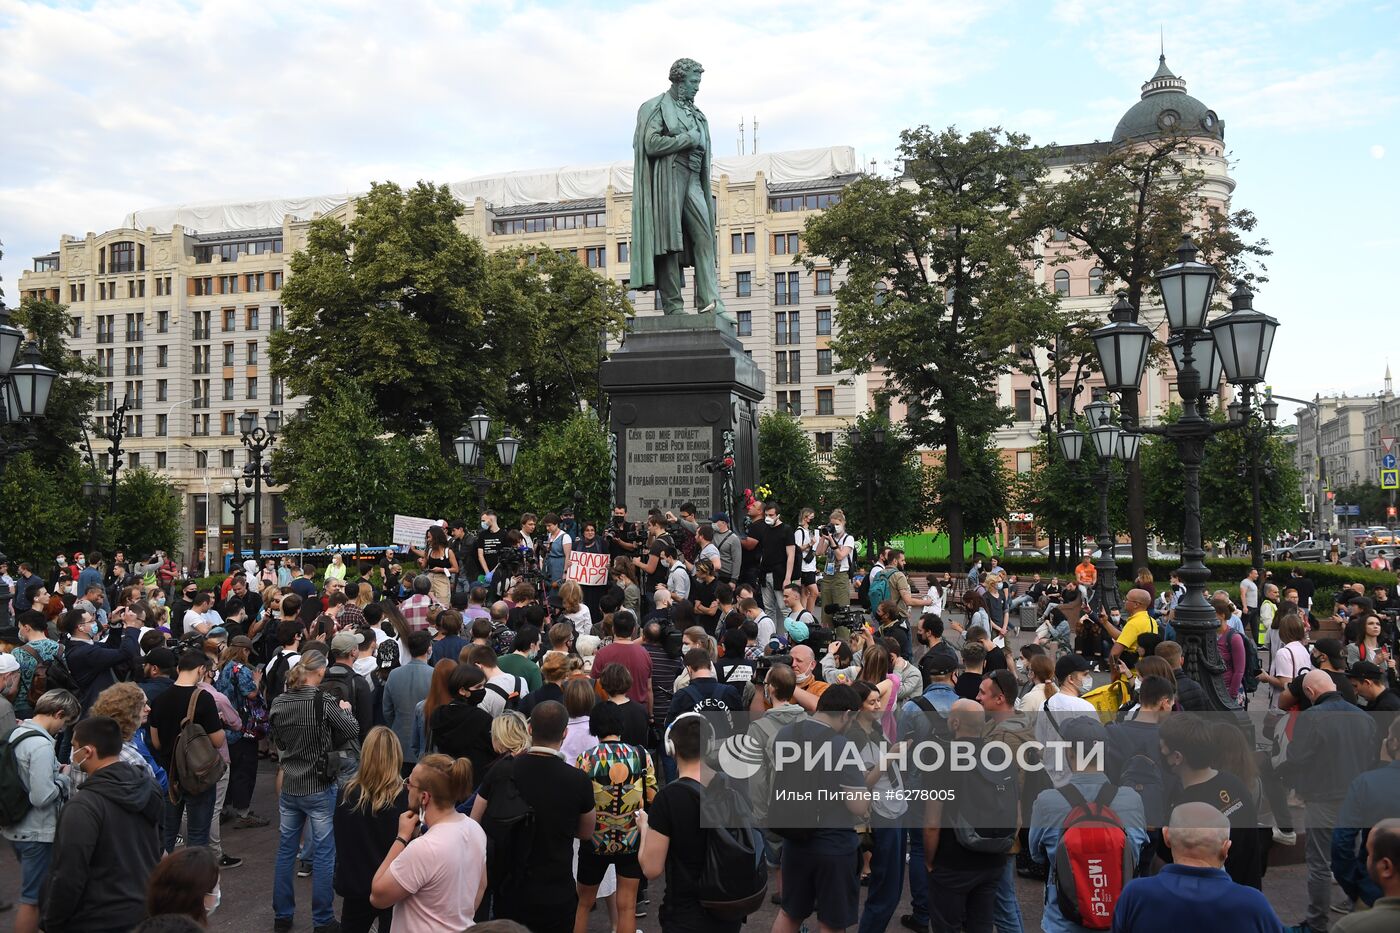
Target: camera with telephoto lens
851	617
829	530
623	530
765	664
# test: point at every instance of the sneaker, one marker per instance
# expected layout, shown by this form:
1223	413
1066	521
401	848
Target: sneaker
1344	906
303	868
281	924
332	927
229	861
914	923
641	910
250	820
1282	838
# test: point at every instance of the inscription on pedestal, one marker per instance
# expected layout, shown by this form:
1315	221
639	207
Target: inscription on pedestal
663	468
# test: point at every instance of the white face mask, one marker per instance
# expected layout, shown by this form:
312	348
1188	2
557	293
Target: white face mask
769	520
217	896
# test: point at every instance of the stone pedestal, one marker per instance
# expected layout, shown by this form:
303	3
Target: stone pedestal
682	392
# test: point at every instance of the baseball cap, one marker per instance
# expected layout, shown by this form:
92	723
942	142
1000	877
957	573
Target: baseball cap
241	641
719	517
1365	670
8	663
1069	664
1332	648
218	631
1083	728
387	654
939	662
10	633
346	642
162	658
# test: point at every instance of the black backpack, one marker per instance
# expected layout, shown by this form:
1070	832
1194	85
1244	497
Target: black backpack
14	796
509	824
734	881
513	697
984	813
1252	666
49	675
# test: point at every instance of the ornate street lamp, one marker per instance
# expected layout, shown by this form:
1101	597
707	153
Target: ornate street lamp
1186	288
471	446
1245	338
1121	346
258	439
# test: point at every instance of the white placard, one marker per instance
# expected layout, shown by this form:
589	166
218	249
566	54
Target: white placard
409	531
587	569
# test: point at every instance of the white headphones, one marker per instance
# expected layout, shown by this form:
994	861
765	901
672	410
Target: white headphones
666	738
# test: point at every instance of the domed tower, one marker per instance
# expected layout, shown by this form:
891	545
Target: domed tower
1167	110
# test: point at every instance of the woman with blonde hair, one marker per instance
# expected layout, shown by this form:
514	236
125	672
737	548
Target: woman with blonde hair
366	822
509	733
575	612
1042	685
126	703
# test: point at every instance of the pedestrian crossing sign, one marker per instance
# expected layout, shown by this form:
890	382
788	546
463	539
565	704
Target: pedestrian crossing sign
1390	479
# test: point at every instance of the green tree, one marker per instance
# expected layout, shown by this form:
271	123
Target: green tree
565	465
390	300
548	316
981	495
148	516
1225	485
41	511
1126	210
899	497
1372	499
342	474
787	464
74	391
936	292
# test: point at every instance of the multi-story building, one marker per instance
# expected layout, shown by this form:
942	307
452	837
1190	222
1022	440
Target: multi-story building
1353	433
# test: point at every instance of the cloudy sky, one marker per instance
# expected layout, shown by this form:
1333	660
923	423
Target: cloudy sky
113	106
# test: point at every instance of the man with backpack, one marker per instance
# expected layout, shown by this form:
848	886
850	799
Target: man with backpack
1088	832
968	837
290	633
32	791
700	862
38	658
185	731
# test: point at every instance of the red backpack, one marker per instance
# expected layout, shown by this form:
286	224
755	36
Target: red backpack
1093	860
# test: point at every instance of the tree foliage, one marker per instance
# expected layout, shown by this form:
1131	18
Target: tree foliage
936	292
148	516
981	495
899	495
1062	495
74	391
1225	485
565	465
787	464
41	510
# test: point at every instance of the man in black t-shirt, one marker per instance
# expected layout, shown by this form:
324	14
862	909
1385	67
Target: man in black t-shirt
488	543
671	836
561	797
778	560
167	713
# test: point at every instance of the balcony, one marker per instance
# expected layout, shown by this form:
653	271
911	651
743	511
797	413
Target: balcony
136	336
202	333
200	369
104	404
135	404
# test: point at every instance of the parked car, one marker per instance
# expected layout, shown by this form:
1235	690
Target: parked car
1125	552
1034	552
1310	550
1364	556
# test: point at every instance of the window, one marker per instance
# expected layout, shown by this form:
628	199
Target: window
276	280
162	426
252	353
745	323
790	402
135	356
133	461
226	420
123	256
46	264
201	458
823	281
780	332
228	390
595	257
823	322
75	327
279	391
135	327
226	458
794	365
781	374
743	284
160	459
803	202
794	327
228	354
824	442
1058	235
1062	282
77	293
786	288
255	281
277	322
229	252
785	244
1023	404
107	328
252	388
251	317
199	427
203	285
162	389
624	252
742	242
825	402
201	325
230	319
162	322
163	286
105	362
162	356
1096	281
823	362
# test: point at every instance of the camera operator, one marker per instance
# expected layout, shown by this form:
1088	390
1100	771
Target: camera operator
622	536
835	547
650	568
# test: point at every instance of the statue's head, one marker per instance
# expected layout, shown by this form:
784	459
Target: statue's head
685	77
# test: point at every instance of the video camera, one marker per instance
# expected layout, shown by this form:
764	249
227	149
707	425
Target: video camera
765	664
623	530
852	617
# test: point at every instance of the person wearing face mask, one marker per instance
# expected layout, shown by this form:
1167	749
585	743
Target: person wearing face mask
108	842
834	550
95	666
186	884
1072	681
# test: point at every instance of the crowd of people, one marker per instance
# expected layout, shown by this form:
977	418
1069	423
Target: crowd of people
461	735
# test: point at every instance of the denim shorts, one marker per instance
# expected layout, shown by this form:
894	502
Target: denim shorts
34	858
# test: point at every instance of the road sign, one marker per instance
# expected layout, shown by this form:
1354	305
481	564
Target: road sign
1387	443
1388	462
1345	510
1390	479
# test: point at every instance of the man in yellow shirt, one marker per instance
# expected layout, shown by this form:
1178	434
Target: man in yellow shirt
1139	622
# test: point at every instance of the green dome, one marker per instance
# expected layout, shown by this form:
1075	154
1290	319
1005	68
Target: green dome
1166	109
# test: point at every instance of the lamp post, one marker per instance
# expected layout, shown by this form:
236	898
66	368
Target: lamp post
114	435
471	445
1258	423
257	439
237	501
871	483
25	386
93	493
1243	339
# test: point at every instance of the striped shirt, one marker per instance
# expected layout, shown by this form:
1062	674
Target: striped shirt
302	729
